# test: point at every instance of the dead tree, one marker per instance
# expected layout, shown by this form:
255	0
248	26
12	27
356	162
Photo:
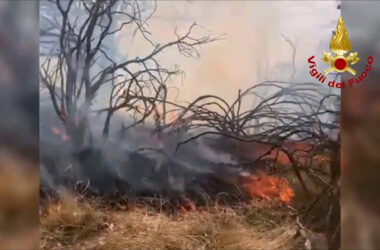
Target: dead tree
75	70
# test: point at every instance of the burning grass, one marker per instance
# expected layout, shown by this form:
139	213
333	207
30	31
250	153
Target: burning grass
86	224
268	187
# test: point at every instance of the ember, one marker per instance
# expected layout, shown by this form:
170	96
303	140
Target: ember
187	205
64	136
55	130
268	187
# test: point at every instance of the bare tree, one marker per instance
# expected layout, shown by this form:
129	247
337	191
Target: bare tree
75	70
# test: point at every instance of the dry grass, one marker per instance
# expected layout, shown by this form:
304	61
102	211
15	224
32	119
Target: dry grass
81	225
69	221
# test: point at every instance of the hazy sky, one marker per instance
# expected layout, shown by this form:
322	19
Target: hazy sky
253	36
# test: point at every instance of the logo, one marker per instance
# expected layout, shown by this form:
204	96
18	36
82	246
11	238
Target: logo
340	45
338	61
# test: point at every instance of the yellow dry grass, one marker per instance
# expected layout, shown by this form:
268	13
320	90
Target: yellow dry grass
82	225
69	221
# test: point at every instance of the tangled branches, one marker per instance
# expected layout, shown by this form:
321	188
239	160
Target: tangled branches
78	62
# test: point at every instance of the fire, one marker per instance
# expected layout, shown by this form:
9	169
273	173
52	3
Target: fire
56	131
268	187
187	205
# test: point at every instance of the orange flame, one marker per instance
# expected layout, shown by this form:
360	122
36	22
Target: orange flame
55	130
64	137
187	205
268	187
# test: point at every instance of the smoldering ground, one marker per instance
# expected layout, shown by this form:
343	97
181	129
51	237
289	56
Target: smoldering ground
139	161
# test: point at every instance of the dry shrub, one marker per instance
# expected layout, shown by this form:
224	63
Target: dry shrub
142	228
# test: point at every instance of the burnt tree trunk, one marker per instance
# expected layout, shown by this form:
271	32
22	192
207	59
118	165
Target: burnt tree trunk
77	129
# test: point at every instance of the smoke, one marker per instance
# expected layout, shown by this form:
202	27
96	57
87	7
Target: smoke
144	160
139	161
253	50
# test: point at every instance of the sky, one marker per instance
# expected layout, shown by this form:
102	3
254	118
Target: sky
253	49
